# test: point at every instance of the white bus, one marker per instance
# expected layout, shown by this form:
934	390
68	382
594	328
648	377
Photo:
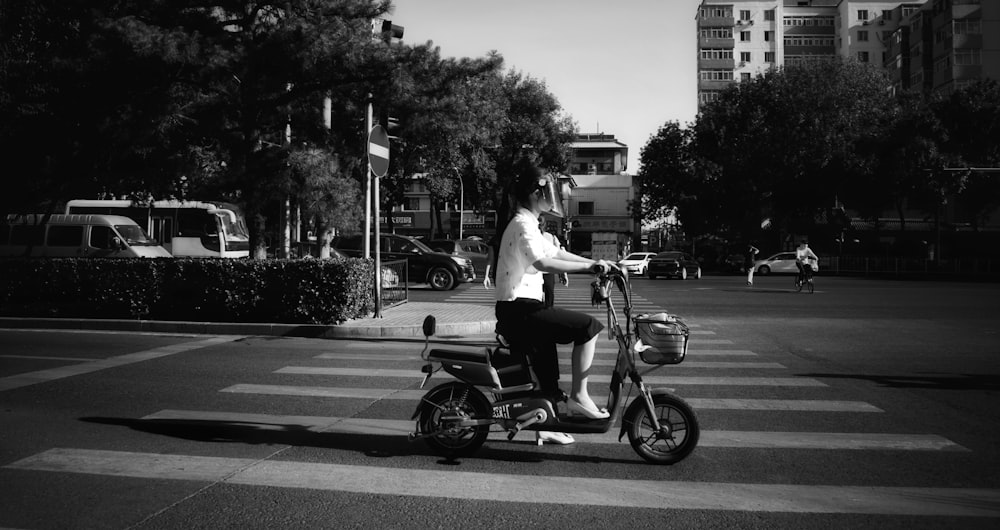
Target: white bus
184	228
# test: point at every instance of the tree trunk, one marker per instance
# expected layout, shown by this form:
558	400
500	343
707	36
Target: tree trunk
324	236
258	245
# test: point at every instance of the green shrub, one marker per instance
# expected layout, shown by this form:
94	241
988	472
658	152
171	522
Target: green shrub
204	290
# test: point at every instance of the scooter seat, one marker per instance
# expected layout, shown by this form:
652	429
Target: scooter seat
470	356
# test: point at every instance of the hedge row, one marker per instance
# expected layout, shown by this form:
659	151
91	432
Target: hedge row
203	290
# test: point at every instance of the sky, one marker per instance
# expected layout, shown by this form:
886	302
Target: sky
621	67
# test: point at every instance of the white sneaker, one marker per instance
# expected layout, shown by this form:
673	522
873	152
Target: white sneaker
558	438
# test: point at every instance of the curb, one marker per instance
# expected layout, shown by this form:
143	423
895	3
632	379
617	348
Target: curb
367	328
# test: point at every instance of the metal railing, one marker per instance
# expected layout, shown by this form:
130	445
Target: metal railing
979	268
394	283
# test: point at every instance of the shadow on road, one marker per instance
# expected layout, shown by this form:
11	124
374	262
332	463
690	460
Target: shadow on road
371	445
930	382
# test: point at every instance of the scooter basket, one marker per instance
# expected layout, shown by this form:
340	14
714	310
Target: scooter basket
663	338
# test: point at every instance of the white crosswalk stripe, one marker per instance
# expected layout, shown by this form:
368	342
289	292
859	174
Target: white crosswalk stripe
798	498
737	381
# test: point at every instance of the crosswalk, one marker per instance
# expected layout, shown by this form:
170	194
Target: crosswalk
722	375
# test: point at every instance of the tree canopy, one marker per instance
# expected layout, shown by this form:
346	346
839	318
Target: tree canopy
193	99
793	146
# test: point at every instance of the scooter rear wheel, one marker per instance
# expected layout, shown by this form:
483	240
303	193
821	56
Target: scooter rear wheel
677	437
458	401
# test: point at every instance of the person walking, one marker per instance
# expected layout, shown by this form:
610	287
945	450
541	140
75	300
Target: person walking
752	252
548	278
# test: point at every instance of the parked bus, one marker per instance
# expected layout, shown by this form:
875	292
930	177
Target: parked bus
184	228
75	236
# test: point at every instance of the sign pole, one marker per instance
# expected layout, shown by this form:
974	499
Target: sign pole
365	245
378	250
378	165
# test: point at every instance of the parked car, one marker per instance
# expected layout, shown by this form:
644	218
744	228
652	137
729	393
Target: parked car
442	271
673	264
76	236
636	262
780	263
389	277
474	250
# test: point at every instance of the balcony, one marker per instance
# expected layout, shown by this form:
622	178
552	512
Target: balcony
714	85
715	42
716	64
709	22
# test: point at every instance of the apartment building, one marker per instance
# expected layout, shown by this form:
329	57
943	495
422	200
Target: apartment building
943	45
601	194
926	45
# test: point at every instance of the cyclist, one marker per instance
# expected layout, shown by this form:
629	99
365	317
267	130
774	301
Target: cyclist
805	260
521	310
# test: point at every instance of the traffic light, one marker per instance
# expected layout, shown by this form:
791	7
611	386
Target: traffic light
391	31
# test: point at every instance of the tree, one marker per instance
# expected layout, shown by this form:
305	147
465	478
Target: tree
157	91
779	146
971	117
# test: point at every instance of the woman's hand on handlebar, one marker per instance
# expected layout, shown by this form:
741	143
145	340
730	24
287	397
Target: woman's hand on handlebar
603	267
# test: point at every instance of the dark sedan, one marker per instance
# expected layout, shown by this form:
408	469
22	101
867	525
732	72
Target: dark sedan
673	264
442	271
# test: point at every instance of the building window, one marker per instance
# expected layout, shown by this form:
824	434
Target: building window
886	14
716	53
863	57
744	14
768	57
862	14
585	208
744	36
717	33
968	57
717	12
707	96
768	36
745	76
769	15
411	204
862	36
745	57
716	75
967	27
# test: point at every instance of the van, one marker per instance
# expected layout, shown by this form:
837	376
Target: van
76	236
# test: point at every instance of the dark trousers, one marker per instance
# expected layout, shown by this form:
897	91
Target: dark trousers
549	288
528	324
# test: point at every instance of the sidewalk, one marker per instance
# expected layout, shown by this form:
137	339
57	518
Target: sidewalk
454	321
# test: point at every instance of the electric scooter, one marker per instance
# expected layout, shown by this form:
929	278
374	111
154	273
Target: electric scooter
455	417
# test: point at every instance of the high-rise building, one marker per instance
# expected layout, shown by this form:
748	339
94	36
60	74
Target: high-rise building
927	45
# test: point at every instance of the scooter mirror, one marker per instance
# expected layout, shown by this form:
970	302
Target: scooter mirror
430	323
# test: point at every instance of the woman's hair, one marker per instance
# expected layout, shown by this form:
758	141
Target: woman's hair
526	176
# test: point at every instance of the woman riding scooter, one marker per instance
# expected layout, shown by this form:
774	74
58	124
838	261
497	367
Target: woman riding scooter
520	310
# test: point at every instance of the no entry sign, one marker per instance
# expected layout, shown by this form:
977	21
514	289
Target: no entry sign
378	150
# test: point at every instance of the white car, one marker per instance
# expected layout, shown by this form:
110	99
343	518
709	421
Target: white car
636	262
780	263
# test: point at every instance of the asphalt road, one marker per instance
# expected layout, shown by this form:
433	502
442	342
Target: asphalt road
867	404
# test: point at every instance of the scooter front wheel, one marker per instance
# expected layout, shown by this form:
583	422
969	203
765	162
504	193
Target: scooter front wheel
678	433
440	411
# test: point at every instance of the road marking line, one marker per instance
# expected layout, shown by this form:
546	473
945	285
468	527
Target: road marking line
391	358
44	376
776	405
598	378
498	487
46	358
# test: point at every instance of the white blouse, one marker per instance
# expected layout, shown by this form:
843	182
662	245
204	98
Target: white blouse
521	246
